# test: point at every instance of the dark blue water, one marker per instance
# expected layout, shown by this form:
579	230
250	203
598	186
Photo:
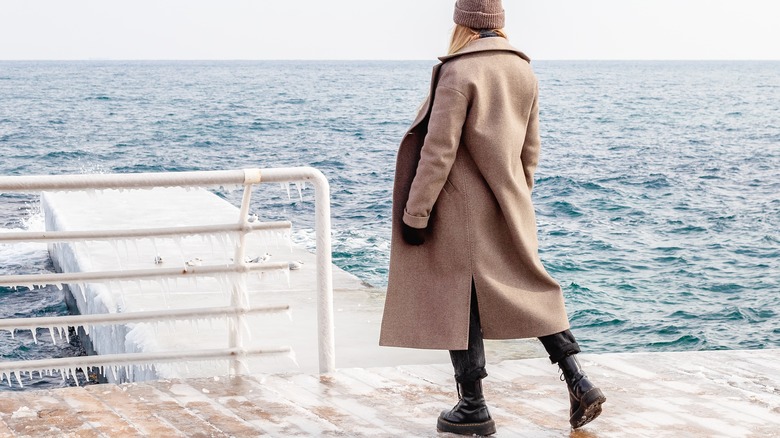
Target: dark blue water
658	193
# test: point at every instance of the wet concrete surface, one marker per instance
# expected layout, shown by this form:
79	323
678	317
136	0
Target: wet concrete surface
685	394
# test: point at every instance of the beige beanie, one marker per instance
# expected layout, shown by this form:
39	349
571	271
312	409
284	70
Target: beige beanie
479	14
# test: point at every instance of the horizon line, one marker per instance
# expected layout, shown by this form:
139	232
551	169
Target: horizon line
381	60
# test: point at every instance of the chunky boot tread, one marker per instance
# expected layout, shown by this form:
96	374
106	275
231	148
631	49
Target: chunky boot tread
589	409
470	416
484	428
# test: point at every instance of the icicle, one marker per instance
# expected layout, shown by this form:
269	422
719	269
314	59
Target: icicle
115	247
13	333
85	248
67	335
291	356
87	329
75	376
299	187
125	247
34	333
233	242
164	295
222	241
137	251
211	239
177	240
7	377
114	371
122	294
154	245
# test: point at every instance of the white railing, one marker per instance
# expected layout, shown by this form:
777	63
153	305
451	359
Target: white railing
239	307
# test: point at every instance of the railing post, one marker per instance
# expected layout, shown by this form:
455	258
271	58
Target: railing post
238	295
327	345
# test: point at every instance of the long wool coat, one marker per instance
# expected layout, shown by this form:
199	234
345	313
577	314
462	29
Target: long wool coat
464	172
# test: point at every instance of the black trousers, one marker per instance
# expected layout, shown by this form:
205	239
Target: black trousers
469	364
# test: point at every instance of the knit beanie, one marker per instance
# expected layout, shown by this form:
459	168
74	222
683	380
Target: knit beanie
479	14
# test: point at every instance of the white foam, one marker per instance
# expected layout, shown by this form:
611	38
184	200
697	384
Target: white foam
25	253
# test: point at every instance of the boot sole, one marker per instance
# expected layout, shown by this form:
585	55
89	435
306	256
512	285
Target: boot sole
590	408
484	428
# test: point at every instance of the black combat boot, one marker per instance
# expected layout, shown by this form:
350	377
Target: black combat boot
470	416
585	398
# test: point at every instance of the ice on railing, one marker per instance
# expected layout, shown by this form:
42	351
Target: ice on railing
124	371
34	333
299	186
113	296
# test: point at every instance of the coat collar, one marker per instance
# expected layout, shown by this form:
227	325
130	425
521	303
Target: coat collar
480	45
484	45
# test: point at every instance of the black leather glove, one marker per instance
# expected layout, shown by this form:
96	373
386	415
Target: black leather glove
412	236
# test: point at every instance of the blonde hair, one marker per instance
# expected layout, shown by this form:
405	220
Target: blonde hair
462	36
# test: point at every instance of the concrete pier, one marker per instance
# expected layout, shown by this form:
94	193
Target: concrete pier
691	394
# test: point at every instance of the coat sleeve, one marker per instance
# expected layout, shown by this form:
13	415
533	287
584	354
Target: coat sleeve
532	144
437	154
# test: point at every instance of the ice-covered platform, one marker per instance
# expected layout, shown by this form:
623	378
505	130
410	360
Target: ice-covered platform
693	394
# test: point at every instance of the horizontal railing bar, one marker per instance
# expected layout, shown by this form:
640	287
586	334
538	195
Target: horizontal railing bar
108	360
67	236
138	274
123	318
290	174
32	183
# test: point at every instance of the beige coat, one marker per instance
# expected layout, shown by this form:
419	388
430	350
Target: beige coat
464	172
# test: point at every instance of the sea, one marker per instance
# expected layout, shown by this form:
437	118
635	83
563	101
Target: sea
657	194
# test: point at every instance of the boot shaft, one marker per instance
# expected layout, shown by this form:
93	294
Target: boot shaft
471	393
572	370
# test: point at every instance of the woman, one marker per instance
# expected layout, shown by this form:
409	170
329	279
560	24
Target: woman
464	263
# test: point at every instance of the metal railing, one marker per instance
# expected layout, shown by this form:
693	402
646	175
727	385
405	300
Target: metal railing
239	307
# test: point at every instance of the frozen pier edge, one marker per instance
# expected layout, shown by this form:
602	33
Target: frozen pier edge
690	394
356	315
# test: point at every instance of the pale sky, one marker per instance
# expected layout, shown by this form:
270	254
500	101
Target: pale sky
381	29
